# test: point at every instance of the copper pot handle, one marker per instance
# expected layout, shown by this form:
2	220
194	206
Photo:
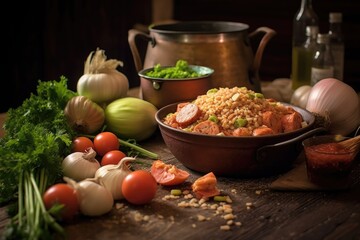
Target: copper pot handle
269	33
132	34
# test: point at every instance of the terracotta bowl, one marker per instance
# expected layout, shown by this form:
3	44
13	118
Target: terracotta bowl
161	92
246	156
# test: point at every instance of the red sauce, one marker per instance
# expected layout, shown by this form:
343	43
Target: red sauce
328	163
333	148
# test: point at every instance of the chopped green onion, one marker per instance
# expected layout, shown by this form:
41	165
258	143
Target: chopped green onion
251	95
211	91
240	122
220	198
213	118
259	95
176	192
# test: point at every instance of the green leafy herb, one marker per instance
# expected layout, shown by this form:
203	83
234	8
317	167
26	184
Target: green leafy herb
180	70
37	137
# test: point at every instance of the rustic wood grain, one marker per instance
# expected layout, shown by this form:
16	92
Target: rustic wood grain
273	214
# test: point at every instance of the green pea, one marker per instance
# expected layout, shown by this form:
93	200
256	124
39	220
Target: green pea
259	95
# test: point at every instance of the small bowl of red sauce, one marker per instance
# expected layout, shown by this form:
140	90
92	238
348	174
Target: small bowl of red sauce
328	162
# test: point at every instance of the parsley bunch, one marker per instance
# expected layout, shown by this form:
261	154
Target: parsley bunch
37	137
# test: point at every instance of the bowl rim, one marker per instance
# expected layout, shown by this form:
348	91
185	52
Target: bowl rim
163	110
210	71
324	139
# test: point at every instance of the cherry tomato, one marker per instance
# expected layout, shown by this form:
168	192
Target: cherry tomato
112	157
62	193
168	174
105	142
139	187
80	144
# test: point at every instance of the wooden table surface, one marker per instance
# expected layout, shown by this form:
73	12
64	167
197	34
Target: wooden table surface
260	211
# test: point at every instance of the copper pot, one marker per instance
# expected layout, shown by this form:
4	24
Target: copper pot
161	92
222	46
246	156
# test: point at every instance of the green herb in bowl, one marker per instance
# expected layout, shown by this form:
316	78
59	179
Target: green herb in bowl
181	70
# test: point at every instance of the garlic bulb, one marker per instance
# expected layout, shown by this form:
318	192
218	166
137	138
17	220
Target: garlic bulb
300	96
80	165
333	99
101	82
94	199
84	115
111	176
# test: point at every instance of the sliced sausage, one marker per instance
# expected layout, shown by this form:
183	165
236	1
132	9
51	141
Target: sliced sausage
205	186
272	120
263	130
188	114
207	127
241	131
291	122
181	105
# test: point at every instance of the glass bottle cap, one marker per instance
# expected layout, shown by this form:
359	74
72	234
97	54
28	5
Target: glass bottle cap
335	17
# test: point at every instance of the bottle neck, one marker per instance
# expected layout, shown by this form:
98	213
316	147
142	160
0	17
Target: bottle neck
305	16
307	12
306	4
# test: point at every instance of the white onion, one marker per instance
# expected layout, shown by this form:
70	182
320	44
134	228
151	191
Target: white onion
339	101
101	81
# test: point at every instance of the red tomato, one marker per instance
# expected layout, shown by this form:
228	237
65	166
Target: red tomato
139	187
105	142
62	193
168	174
112	157
80	144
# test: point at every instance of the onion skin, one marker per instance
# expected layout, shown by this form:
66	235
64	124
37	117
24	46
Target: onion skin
103	87
101	81
300	96
339	101
84	115
131	118
80	165
94	199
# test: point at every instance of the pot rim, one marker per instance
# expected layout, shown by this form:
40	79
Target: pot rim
207	72
199	27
